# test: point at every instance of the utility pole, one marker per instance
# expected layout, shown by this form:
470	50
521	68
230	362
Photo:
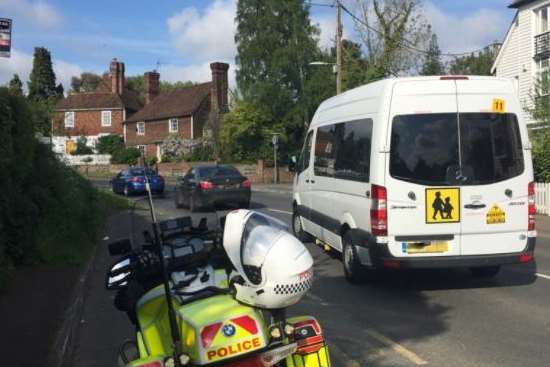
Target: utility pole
338	48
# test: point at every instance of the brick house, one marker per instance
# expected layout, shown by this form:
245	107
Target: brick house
182	111
93	114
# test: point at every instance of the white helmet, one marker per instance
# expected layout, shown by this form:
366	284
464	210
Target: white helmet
276	268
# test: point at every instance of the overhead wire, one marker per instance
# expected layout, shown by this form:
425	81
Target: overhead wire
409	46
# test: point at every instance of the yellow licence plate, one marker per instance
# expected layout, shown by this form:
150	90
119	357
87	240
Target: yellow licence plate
430	247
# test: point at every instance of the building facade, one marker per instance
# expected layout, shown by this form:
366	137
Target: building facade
525	53
94	114
183	112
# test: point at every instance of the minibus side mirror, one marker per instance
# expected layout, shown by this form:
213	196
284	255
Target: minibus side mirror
292	164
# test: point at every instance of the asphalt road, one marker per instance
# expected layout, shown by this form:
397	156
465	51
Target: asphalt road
436	317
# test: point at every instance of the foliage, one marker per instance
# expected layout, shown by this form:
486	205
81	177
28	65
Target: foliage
390	29
201	153
42	78
354	65
475	64
109	144
540	138
87	82
42	112
126	156
244	136
82	147
15	86
432	62
174	148
136	83
151	161
40	193
273	64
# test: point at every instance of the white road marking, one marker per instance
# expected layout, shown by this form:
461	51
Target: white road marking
543	276
396	347
279	211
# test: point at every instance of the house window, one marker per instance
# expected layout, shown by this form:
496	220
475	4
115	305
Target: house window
542	19
69	119
105	118
173	125
141	149
140	128
543	72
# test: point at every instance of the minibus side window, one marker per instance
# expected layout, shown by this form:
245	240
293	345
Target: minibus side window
353	150
303	162
325	151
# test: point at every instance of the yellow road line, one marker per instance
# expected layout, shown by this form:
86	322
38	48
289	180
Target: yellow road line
396	347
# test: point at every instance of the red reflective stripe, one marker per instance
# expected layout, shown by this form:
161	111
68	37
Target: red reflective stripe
312	323
208	334
247	323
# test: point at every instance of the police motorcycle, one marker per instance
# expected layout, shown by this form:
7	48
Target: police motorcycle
201	297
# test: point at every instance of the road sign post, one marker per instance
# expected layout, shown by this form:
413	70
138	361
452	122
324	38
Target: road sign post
275	142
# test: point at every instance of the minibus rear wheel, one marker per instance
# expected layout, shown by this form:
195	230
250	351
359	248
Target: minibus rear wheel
354	271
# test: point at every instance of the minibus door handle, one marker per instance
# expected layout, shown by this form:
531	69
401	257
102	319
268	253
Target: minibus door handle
475	206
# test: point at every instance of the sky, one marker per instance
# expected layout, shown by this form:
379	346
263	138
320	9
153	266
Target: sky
180	38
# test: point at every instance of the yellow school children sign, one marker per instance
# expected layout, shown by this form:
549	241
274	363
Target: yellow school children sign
443	205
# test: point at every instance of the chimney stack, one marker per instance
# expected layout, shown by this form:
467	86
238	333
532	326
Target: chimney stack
117	76
151	85
219	86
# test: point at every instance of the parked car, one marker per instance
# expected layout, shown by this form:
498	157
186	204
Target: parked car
132	181
208	185
431	172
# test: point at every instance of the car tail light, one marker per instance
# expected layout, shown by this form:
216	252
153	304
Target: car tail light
532	208
206	185
246	184
379	211
526	257
137	179
391	264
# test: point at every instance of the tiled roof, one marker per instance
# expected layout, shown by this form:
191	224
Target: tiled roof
89	101
101	98
176	103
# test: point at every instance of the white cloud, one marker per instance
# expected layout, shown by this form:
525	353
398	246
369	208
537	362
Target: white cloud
33	12
468	33
21	63
198	73
206	35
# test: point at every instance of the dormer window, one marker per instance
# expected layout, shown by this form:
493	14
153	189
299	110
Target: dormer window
106	118
69	119
173	125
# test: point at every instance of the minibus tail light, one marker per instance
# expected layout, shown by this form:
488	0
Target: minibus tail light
532	208
379	211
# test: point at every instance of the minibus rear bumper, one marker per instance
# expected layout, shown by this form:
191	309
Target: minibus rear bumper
380	257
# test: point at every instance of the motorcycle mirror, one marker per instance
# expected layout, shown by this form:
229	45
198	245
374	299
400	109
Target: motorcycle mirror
119	274
120	247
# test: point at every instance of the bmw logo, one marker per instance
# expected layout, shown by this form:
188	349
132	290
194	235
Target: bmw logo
228	330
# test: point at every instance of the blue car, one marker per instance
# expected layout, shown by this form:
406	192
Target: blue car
132	181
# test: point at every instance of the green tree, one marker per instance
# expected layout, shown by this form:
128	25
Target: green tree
432	62
136	84
109	144
42	78
479	63
390	30
82	147
275	43
354	65
126	156
540	138
15	86
246	133
86	82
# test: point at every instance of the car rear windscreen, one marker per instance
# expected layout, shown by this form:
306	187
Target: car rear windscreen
425	148
218	171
